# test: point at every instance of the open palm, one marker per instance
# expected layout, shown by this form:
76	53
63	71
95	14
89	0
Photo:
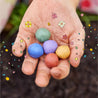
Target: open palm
65	28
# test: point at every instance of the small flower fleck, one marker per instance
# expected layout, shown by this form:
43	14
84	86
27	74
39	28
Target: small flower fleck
12	43
28	38
85	56
76	58
65	36
79	33
18	66
6	50
54	15
91	49
88	36
82	39
28	24
78	39
94	57
1	51
20	45
25	56
89	25
21	41
49	24
69	61
3	42
72	43
76	47
82	14
13	50
61	24
7	78
20	51
83	49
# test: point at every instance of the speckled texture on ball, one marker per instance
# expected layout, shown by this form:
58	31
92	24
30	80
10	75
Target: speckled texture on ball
63	52
42	34
50	46
35	50
51	60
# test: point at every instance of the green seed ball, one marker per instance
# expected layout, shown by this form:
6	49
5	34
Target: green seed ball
42	34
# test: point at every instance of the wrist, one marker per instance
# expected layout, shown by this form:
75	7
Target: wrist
75	3
71	3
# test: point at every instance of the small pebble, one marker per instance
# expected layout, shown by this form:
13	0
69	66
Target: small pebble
42	34
35	50
63	52
51	60
50	46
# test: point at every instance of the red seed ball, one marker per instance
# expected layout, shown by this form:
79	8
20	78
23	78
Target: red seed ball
51	60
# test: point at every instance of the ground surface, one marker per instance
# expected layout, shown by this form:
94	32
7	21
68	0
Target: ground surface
81	83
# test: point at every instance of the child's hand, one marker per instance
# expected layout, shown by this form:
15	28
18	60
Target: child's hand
65	27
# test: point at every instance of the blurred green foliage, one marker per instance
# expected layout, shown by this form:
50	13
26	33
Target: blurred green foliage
15	20
87	18
17	15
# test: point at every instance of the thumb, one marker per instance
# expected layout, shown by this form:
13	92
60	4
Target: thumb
77	47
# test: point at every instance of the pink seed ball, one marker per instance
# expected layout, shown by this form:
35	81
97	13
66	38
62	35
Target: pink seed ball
51	60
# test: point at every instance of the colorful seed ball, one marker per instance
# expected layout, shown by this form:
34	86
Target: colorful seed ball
42	34
35	50
50	46
51	60
63	52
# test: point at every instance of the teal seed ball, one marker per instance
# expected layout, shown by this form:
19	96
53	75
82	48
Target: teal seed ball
42	34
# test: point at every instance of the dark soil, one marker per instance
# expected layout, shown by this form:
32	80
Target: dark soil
81	83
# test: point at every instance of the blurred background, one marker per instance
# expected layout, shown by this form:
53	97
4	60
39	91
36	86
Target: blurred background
82	81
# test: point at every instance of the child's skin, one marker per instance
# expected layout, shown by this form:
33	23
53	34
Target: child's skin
48	14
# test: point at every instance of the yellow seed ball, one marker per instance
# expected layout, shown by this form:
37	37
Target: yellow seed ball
63	52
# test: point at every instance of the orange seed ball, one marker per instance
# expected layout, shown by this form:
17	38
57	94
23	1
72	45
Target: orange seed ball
51	60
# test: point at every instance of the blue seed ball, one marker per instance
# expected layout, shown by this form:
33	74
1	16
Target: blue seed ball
50	46
35	50
42	34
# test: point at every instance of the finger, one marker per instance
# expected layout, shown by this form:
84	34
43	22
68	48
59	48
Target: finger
43	75
29	65
26	33
61	71
23	40
18	47
77	47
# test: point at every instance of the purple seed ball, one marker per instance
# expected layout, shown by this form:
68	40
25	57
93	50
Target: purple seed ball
50	46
